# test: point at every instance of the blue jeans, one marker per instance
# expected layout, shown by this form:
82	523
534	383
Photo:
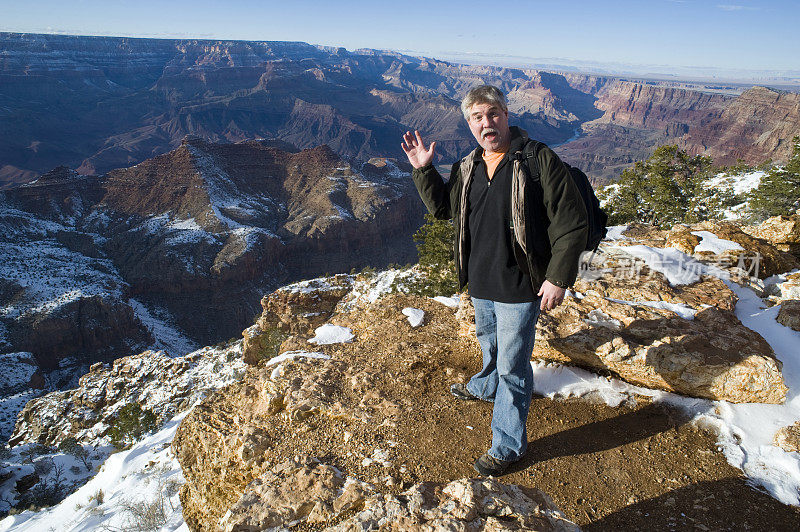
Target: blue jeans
506	333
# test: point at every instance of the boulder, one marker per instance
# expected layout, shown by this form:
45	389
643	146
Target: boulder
296	309
789	314
783	232
770	260
681	238
684	339
790	289
712	356
788	438
302	307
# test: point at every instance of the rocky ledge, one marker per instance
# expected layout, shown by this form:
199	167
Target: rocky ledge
151	379
364	434
330	437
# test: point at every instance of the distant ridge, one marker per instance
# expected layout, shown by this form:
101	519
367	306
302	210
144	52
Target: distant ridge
122	100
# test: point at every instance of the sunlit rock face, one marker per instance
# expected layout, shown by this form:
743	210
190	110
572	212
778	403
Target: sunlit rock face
783	232
756	126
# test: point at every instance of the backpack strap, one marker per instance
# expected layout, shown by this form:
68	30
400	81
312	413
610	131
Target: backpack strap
530	155
529	162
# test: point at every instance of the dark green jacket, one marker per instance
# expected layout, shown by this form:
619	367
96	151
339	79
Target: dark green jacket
549	226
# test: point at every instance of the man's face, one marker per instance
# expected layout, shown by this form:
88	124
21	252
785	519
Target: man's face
489	125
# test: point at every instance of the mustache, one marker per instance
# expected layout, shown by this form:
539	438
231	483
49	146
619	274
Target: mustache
488	131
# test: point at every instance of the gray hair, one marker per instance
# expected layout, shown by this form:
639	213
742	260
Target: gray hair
483	94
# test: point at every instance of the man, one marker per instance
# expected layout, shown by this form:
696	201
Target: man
517	244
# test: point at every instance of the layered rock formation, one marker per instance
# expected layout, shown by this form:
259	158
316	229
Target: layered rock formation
87	329
756	126
97	266
122	101
669	110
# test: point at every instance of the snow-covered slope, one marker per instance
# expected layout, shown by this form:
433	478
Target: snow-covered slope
51	472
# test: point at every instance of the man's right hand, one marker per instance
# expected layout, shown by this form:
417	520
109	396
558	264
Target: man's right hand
416	152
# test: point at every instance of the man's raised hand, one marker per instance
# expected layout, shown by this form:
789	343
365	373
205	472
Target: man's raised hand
416	152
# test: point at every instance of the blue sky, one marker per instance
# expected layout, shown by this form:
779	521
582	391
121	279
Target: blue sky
729	34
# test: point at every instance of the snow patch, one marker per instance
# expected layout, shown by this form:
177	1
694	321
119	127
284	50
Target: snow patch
453	301
289	355
681	310
739	183
598	318
615	232
415	316
711	242
331	334
167	336
146	474
373	287
676	266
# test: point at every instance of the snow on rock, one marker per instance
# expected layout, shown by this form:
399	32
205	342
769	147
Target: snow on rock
167	386
151	379
677	267
746	431
289	355
415	316
615	232
558	381
452	301
598	318
10	406
18	368
714	244
369	288
783	286
331	334
18	371
680	309
49	276
167	336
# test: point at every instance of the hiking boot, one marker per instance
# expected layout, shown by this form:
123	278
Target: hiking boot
489	466
459	391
